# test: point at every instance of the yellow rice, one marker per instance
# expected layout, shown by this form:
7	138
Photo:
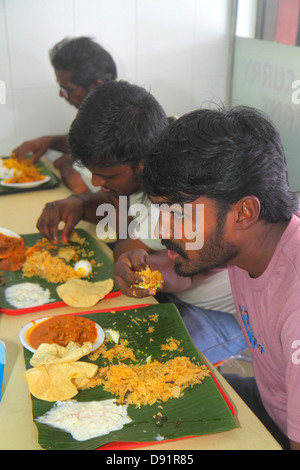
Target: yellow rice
46	266
145	384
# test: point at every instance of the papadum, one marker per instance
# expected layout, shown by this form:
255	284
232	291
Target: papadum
56	382
81	293
54	353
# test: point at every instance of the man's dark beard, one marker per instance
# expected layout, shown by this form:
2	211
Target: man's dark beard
216	252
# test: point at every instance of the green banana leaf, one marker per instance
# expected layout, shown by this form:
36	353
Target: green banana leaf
201	410
99	273
44	170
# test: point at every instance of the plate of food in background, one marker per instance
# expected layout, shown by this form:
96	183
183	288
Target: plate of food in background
13	183
37	274
16	176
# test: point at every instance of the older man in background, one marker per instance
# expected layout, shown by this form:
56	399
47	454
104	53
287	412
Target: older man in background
80	65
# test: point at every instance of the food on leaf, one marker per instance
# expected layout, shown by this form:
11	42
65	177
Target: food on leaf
55	382
81	293
62	330
46	266
12	253
67	253
27	295
54	353
83	268
112	335
95	418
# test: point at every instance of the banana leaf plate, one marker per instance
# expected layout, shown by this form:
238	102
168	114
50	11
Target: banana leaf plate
203	409
105	271
53	182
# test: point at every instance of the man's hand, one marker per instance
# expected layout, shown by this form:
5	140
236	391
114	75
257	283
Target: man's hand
69	211
36	147
126	268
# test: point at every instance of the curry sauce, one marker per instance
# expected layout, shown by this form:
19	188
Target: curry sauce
12	253
62	330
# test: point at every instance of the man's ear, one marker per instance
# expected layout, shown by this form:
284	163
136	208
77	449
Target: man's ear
141	166
247	212
95	84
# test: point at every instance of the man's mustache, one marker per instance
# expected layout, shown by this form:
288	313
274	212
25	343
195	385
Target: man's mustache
170	245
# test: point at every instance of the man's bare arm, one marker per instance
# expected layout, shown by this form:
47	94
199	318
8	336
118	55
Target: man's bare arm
70	211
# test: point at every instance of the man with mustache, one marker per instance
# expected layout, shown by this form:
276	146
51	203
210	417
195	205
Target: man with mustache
114	129
233	164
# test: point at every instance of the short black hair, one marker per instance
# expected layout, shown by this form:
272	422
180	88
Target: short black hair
223	155
116	124
86	59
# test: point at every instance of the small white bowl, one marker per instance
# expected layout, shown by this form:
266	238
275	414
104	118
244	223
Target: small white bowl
8	233
23	333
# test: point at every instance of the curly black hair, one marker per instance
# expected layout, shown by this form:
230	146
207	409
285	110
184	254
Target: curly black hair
223	155
117	123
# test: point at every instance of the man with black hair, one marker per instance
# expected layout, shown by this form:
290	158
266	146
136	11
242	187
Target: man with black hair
232	163
114	129
80	65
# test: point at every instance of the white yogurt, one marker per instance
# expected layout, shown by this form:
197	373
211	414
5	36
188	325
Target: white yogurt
5	172
27	295
86	420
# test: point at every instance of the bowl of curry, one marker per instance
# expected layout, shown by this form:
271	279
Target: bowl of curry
61	330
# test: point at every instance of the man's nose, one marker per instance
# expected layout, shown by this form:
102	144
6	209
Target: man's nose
163	228
98	180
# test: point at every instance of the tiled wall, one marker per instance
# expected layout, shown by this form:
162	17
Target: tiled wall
177	49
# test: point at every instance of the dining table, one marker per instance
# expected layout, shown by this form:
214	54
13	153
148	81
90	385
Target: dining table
19	213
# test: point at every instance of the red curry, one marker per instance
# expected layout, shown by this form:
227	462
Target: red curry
12	253
62	330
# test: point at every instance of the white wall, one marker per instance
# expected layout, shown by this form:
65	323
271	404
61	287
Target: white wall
177	49
246	18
